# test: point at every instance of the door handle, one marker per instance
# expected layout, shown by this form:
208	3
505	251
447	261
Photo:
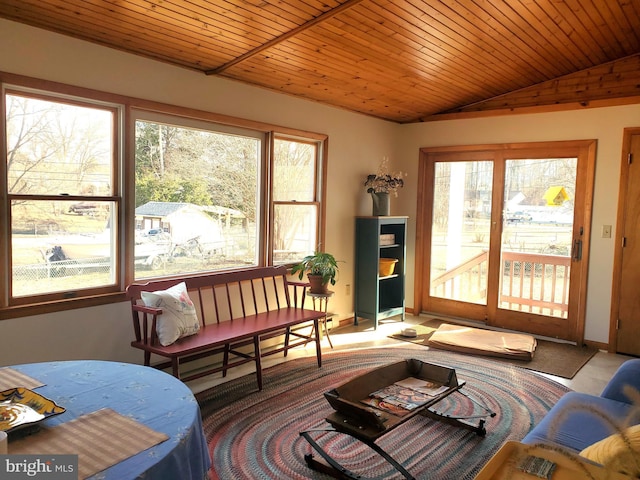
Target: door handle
577	250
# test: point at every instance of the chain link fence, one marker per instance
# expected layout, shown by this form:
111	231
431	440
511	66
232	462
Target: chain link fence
61	268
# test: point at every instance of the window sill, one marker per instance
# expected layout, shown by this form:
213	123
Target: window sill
18	311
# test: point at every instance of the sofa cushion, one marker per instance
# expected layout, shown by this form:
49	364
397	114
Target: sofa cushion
618	453
579	420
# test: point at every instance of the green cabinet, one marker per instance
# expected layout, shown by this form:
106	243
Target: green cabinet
379	297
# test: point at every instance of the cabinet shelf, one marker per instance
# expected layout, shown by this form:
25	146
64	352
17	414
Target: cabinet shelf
379	297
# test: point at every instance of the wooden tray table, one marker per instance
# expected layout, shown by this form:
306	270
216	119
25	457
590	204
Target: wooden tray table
367	423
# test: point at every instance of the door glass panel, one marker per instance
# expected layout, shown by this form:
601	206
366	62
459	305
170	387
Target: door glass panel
460	230
537	235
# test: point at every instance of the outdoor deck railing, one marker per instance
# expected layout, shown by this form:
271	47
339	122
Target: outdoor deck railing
465	281
531	282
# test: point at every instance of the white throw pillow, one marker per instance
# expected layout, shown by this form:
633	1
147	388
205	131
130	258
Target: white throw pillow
178	318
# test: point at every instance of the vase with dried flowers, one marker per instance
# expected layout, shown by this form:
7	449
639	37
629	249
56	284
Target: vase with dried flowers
380	185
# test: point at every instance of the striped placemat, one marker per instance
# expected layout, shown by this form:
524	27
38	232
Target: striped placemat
10	378
100	439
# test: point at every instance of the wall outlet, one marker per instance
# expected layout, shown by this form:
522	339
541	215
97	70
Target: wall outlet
347	289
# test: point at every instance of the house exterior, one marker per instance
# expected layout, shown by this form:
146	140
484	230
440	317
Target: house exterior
182	221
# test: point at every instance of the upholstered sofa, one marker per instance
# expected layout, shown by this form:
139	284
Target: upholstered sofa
589	425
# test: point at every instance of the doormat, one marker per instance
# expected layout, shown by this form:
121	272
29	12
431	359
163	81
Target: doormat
553	358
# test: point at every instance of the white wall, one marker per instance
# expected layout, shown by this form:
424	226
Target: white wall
356	146
603	124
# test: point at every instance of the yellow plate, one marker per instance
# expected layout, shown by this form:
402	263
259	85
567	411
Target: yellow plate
20	407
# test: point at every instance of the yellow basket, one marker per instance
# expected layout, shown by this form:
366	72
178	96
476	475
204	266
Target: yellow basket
386	266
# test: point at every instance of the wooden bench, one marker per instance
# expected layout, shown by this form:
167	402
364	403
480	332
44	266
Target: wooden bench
237	311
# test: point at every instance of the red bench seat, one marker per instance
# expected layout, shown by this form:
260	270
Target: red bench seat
237	311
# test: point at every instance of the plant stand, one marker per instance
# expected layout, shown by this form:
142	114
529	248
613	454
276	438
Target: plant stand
322	298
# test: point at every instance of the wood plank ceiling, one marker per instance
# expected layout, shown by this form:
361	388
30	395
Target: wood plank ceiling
399	60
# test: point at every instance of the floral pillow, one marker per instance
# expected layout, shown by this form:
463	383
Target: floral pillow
178	318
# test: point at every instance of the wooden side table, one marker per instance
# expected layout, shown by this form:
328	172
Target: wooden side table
323	299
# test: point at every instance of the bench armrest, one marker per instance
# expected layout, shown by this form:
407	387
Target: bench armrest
143	308
144	331
298	292
627	375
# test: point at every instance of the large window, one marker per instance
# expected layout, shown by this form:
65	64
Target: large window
97	198
61	167
197	202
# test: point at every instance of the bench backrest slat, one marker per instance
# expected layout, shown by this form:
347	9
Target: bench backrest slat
242	300
277	298
222	296
259	292
228	296
199	301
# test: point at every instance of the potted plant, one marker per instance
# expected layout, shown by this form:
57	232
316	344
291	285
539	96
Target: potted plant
380	185
321	269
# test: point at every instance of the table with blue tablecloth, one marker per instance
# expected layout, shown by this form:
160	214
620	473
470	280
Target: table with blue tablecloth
152	398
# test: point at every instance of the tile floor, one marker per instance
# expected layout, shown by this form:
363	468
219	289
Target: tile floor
590	379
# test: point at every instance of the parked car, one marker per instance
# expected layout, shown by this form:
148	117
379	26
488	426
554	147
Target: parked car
84	208
152	247
515	217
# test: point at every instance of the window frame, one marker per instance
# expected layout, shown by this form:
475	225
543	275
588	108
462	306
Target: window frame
123	187
197	123
8	299
319	189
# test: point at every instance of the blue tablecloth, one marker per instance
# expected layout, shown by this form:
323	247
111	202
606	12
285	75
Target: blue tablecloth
144	394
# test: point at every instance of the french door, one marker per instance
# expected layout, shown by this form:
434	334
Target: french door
503	235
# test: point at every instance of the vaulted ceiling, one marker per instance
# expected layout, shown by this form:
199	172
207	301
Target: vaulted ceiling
399	60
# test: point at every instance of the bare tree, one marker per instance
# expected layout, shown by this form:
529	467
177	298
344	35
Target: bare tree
29	142
69	140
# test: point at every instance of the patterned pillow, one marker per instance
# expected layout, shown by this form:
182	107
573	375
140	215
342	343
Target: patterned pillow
178	318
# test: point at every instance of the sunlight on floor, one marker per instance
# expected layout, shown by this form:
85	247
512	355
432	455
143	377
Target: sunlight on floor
590	379
344	337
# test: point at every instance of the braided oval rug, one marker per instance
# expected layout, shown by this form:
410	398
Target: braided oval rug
256	435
